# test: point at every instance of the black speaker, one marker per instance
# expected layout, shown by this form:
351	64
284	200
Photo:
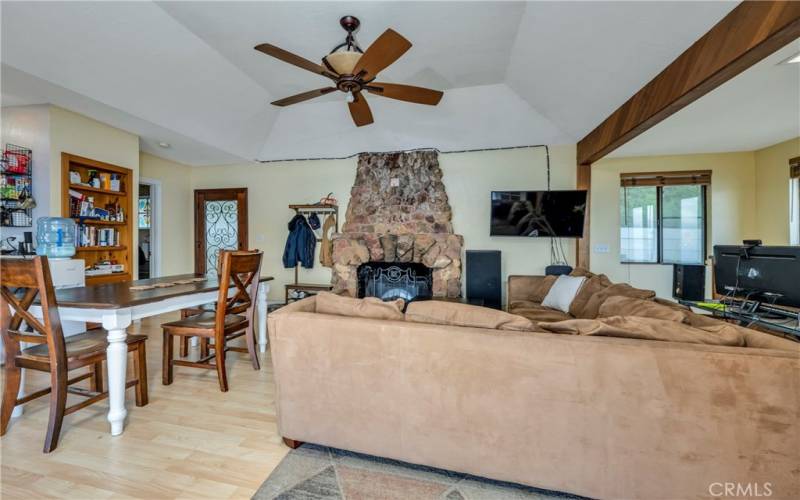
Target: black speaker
689	282
484	286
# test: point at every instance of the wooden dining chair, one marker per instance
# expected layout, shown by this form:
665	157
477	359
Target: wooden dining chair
191	311
232	319
22	282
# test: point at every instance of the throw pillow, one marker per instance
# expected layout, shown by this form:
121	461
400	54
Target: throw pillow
370	307
563	292
456	314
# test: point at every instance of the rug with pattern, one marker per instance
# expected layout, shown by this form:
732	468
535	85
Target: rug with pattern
320	473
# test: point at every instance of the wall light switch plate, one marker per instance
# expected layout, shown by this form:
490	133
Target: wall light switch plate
601	248
260	237
394	182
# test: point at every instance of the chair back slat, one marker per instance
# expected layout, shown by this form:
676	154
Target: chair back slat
22	282
240	270
18	273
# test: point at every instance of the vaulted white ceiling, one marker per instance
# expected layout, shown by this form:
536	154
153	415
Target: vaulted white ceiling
186	73
756	109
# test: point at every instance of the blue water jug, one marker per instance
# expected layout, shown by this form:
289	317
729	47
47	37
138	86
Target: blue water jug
55	237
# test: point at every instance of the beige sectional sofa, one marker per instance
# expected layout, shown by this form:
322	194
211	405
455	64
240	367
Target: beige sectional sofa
595	416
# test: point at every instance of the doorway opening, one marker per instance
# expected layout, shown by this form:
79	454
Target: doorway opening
148	222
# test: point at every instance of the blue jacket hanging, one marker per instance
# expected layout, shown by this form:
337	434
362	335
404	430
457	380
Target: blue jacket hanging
300	244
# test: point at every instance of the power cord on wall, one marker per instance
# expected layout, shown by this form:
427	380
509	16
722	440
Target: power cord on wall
502	148
557	254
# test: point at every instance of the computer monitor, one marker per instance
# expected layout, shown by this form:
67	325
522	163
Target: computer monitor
750	269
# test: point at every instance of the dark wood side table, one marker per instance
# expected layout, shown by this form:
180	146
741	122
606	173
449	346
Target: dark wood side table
308	288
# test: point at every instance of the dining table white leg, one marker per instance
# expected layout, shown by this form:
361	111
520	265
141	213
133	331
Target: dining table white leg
116	324
261	309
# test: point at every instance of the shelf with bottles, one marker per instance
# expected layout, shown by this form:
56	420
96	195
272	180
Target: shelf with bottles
82	208
97	181
16	187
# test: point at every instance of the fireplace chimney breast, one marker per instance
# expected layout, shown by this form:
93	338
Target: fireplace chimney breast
399	212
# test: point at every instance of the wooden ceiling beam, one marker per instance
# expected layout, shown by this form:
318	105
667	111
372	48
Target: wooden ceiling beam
749	33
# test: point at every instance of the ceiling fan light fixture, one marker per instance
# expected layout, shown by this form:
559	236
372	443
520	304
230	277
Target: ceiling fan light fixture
343	62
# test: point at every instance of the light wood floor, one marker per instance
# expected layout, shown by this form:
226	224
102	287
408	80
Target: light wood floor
191	441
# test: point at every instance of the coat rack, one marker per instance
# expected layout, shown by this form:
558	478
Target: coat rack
312	209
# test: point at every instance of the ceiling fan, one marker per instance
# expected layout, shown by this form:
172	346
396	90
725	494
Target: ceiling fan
353	71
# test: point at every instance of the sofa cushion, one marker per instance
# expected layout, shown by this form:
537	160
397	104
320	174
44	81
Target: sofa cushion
531	288
635	327
456	314
752	338
523	304
538	312
592	308
593	284
370	307
563	292
620	305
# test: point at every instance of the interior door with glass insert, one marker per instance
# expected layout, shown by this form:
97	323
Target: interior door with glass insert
220	223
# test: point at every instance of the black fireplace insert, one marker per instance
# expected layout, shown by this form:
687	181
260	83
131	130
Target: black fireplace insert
395	280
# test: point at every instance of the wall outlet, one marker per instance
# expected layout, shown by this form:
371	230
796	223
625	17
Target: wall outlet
260	237
394	182
601	248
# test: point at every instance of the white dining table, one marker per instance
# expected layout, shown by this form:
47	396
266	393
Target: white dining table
116	306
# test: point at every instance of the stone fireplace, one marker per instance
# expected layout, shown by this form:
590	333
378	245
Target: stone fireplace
398	212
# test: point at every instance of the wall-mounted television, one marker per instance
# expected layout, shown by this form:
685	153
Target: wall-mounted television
538	213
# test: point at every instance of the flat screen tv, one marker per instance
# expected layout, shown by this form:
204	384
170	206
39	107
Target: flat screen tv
538	213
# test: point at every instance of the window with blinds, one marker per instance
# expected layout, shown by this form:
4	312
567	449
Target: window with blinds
663	217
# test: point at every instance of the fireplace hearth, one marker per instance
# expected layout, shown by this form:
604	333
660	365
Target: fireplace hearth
395	280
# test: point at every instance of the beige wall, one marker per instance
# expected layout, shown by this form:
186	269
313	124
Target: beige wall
468	177
730	214
175	234
772	191
79	135
29	127
82	136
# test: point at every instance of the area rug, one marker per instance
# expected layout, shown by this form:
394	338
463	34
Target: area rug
319	473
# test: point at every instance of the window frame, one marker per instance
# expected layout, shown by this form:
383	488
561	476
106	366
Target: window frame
660	227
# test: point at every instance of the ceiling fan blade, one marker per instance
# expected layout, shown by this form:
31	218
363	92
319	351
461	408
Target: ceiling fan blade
359	110
384	51
286	101
294	59
419	95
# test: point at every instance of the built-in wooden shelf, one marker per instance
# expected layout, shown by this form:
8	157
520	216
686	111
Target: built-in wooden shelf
81	187
100	249
98	222
120	254
314	207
